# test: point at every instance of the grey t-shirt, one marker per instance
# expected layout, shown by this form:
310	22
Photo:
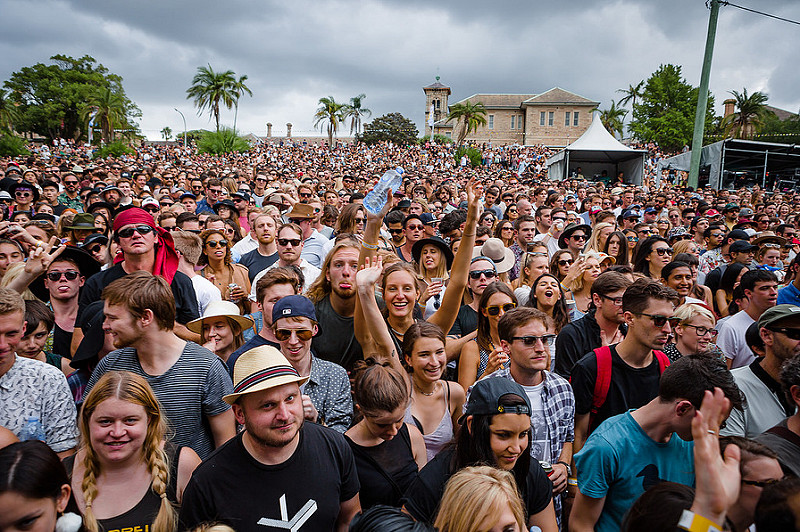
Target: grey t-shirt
189	391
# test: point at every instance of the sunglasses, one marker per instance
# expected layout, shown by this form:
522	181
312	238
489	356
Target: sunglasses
529	341
94	249
56	276
22	194
702	331
284	334
659	320
304	195
663	251
792	334
286	241
395	231
215	243
489	274
565	262
633	239
494	310
141	229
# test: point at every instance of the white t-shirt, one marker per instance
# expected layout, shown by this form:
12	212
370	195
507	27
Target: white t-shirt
731	340
205	291
540	435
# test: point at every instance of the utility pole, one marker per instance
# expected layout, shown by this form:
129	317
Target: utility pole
702	95
184	127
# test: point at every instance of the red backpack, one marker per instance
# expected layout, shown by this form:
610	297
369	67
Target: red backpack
603	382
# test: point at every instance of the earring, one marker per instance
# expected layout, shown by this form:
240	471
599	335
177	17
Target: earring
69	522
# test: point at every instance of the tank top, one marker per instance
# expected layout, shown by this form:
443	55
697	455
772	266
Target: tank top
442	434
385	470
142	515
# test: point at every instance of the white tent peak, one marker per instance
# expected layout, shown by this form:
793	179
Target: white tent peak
597	138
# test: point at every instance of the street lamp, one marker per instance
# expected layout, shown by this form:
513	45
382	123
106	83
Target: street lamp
184	126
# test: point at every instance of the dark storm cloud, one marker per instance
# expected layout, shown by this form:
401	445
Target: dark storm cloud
296	52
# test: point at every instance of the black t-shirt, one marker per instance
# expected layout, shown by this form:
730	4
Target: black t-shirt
256	262
423	497
336	340
255	341
466	322
232	487
629	388
182	289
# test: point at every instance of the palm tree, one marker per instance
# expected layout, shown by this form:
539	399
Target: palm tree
110	106
471	114
240	89
354	111
9	114
166	132
749	115
332	112
209	88
612	118
631	93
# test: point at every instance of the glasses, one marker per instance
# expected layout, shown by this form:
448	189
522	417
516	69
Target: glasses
702	331
415	227
141	229
93	249
547	340
360	221
286	241
302	334
489	274
22	194
616	300
761	483
214	190
659	320
633	239
792	334
215	243
663	251
508	228
578	237
494	310
71	275
512	211
69	183
716	235
395	231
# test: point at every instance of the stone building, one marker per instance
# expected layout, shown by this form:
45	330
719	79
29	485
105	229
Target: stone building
554	118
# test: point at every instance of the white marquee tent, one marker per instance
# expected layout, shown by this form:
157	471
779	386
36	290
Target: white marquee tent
597	150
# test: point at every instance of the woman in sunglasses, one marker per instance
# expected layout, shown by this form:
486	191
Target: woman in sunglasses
505	232
484	355
579	281
632	238
695	333
560	263
616	247
768	257
231	279
651	255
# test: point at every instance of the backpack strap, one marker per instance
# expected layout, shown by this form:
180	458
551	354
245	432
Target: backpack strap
663	360
603	381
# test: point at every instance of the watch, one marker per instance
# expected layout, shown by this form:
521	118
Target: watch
569	469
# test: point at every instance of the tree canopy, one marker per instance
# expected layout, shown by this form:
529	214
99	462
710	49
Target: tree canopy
333	113
749	116
392	127
665	112
52	99
470	115
210	88
612	118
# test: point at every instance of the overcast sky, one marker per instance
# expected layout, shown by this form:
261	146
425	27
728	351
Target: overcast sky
296	51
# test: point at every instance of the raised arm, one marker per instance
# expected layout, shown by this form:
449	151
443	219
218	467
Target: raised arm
382	345
38	261
447	313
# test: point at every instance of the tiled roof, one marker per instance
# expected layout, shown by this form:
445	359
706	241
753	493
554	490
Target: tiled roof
498	101
782	114
557	95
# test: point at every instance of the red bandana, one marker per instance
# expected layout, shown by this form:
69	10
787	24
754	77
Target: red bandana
166	263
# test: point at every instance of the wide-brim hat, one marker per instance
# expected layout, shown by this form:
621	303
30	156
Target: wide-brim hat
261	368
86	264
571	228
768	237
494	249
224	203
416	250
220	309
301	211
25	184
83	220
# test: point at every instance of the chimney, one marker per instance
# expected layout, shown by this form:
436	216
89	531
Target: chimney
730	107
269	129
289	130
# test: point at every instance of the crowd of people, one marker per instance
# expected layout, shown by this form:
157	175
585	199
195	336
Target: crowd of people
239	343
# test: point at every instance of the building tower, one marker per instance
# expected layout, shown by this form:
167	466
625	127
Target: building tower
436	95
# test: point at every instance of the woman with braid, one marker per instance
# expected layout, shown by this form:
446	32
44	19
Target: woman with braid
125	476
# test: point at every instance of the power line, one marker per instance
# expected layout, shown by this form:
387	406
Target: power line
760	13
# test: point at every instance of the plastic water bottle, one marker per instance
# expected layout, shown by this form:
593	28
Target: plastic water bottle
376	199
33	431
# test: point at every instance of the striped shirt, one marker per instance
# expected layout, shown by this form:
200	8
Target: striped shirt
189	391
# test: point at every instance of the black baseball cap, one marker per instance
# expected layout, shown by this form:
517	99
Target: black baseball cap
485	395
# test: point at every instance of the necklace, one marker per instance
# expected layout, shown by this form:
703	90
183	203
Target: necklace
426	394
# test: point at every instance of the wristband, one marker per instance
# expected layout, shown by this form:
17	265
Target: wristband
369	246
696	523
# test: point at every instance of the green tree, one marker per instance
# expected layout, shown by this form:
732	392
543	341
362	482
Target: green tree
613	119
469	115
331	112
110	107
223	141
392	127
631	93
240	89
50	98
665	114
9	115
209	88
355	111
749	115
166	132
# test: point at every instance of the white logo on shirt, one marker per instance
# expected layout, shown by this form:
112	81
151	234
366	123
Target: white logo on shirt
299	519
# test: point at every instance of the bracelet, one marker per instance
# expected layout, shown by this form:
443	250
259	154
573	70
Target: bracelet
369	246
696	523
469	236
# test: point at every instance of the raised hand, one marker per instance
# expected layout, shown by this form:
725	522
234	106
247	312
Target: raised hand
40	257
369	274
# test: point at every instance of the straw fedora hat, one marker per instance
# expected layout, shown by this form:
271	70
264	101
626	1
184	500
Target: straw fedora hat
220	309
261	368
494	248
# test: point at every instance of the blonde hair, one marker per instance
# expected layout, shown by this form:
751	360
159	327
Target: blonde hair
482	489
594	241
213	527
576	286
134	389
682	246
687	311
12	272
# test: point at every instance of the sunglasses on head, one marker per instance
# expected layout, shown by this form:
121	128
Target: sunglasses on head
215	243
284	334
659	320
489	274
529	341
141	229
286	241
494	310
56	276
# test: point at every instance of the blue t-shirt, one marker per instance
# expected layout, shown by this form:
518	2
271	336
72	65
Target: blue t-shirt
789	295
620	462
